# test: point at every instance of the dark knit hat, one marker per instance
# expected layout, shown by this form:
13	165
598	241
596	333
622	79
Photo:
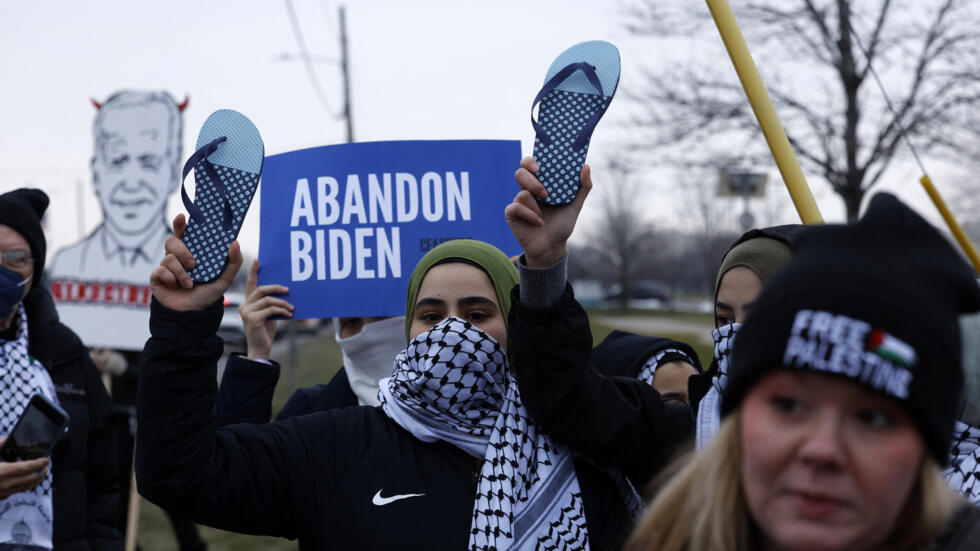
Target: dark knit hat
22	210
623	354
876	302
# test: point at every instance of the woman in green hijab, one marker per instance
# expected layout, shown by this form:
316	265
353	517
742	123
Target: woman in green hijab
449	460
495	267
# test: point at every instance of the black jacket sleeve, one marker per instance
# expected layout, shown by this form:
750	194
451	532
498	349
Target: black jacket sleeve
254	479
336	394
245	392
616	421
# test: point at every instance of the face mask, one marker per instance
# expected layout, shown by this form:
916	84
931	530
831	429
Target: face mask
456	374
724	338
11	289
370	355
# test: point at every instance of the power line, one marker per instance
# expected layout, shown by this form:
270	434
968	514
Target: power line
888	102
307	60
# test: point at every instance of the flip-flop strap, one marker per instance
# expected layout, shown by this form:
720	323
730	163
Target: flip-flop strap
199	156
589	72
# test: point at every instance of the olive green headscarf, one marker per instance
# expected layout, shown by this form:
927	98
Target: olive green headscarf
763	255
495	263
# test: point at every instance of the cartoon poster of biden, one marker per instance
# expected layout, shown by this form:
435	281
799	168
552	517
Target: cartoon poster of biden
101	283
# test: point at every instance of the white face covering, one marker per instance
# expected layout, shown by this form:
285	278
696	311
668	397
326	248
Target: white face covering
369	356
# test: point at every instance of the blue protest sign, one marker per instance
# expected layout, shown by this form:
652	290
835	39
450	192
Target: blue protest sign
343	226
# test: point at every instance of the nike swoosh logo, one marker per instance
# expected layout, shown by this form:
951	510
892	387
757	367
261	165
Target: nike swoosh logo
379	501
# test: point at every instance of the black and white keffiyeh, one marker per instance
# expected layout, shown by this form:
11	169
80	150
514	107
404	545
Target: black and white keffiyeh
25	517
453	383
964	458
649	368
709	410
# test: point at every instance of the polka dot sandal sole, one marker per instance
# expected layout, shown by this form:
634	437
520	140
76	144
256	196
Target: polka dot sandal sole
237	163
570	106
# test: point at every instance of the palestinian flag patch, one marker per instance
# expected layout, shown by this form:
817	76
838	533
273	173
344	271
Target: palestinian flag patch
892	348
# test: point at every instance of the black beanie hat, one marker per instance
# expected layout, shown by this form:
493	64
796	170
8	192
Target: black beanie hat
623	354
877	302
22	210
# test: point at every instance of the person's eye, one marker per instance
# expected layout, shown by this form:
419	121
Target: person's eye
875	418
785	404
119	161
149	162
722	319
477	316
16	258
351	323
431	318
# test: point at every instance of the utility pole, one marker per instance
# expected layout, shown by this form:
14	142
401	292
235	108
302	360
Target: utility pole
344	68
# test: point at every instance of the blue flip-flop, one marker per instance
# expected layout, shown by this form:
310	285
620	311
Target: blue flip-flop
578	88
227	166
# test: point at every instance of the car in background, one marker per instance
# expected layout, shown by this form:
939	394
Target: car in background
232	330
642	295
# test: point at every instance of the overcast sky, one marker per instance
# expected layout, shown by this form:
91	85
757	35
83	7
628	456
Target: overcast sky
421	69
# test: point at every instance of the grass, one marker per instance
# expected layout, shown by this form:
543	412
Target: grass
317	361
694	317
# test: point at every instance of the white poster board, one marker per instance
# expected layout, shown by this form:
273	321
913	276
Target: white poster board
101	283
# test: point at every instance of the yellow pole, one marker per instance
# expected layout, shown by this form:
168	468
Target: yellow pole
765	113
954	226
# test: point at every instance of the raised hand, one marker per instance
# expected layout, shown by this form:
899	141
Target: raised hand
256	312
543	230
173	287
21	476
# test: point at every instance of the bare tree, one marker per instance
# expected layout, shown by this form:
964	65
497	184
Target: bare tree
623	232
712	221
816	57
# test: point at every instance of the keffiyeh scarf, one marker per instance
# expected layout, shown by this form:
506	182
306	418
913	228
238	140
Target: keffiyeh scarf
964	458
649	368
709	410
25	517
453	383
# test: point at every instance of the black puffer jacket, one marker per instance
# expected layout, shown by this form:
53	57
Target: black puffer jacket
621	422
84	464
247	386
325	478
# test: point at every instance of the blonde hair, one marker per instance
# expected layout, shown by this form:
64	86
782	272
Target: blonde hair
703	507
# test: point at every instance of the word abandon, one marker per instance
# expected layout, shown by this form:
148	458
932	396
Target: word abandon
835	343
367	252
101	292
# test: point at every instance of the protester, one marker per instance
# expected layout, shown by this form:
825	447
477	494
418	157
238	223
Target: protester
72	505
615	421
840	403
665	364
747	266
964	455
369	346
450	457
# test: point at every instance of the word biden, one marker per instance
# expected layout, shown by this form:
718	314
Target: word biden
367	252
